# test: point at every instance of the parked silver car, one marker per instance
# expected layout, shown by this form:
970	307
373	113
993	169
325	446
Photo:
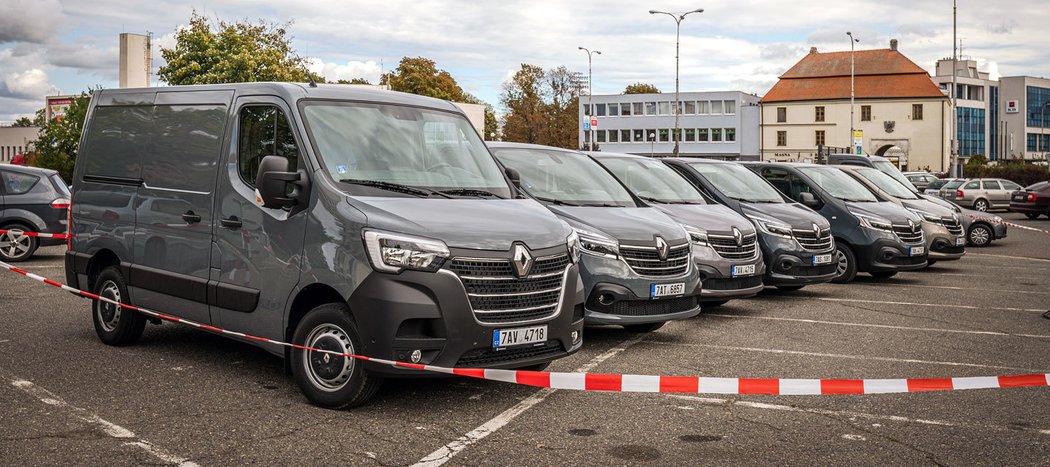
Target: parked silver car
950	185
921	180
983	194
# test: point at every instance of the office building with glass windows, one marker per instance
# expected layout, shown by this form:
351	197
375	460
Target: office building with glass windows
717	124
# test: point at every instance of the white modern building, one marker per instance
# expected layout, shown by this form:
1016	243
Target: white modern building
15	140
717	124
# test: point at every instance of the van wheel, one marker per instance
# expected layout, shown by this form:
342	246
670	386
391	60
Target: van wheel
640	328
1031	215
883	274
845	264
331	381
15	247
980	205
115	325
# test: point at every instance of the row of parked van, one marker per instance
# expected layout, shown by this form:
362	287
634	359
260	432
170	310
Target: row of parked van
377	223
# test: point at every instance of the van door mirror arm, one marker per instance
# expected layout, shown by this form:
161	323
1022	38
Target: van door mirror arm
272	181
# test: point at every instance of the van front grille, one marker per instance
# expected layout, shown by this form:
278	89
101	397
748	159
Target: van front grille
953	225
479	358
908	233
732	283
813	240
497	296
727	247
645	261
654	307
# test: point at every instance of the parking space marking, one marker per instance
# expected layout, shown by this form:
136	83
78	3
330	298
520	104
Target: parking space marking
847	356
852	414
950	287
1008	256
934	305
109	428
882	326
447	452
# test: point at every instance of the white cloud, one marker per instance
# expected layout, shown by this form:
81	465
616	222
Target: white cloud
29	20
28	84
369	70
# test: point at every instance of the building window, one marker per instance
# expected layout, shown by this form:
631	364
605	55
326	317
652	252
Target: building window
970	126
821	139
782	114
701	135
636	108
782	138
650	135
625	110
819	114
702	108
599	110
677	135
665	108
586	137
1035	105
916	111
716	135
625	136
690	108
650	108
614	110
716	107
1043	142
690	135
587	110
665	135
730	134
730	107
599	136
639	136
865	113
614	136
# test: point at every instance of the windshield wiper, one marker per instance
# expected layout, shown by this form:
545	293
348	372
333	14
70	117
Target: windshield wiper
397	187
853	200
664	201
469	192
555	201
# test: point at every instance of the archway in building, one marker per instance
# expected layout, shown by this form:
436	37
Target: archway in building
895	154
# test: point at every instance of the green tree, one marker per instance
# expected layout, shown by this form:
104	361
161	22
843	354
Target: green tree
37	120
641	88
975	166
22	122
541	107
59	141
222	52
353	81
418	75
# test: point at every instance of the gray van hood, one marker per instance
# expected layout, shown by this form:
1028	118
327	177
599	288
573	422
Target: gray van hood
928	206
710	217
793	214
886	210
623	224
478	224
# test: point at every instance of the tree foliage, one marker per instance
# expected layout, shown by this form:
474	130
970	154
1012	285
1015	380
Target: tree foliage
37	120
353	81
641	88
542	107
418	75
209	52
59	141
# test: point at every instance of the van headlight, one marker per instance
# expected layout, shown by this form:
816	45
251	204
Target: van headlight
593	243
928	217
573	244
389	252
697	236
874	223
771	227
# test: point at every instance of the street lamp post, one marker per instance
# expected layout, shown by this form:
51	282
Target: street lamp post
590	93
652	144
852	65
678	17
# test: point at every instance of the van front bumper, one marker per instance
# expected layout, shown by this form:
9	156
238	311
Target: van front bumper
886	253
788	264
617	295
717	279
397	314
941	245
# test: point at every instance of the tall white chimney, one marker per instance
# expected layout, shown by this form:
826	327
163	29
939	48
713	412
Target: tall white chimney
136	60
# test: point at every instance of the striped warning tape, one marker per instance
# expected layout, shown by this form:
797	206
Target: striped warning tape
634	383
1011	224
17	232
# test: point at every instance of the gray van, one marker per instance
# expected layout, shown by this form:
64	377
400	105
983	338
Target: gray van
728	257
353	220
636	263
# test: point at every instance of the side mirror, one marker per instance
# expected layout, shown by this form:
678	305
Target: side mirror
271	183
808	200
514	176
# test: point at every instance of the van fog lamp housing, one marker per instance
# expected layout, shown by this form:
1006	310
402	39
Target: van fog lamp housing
389	252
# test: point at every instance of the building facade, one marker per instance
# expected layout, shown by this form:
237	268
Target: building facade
719	124
976	109
898	110
15	140
1024	102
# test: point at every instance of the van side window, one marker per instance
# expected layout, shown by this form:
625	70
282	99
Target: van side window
788	183
264	131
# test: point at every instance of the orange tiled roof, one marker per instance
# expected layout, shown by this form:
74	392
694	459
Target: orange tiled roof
883	73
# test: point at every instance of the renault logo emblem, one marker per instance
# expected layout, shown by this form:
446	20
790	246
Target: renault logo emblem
661	248
738	236
816	230
522	260
911	225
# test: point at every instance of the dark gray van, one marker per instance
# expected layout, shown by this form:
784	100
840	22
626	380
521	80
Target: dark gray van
354	220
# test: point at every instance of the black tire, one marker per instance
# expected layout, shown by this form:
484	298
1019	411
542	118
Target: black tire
980	205
846	264
640	328
1031	215
930	263
790	288
329	381
115	325
16	247
979	235
883	274
713	304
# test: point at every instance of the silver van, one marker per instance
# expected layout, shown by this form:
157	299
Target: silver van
352	220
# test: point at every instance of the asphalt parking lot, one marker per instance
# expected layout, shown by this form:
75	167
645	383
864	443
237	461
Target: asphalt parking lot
183	396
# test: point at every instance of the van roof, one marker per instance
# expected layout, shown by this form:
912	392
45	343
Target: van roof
290	92
511	145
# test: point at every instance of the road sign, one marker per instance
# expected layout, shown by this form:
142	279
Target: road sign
587	126
858	141
594	122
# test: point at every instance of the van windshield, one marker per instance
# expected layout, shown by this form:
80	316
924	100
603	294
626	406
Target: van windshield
395	150
565	178
653	180
838	184
886	183
888	168
738	182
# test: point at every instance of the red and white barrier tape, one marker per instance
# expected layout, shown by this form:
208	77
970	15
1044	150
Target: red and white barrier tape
27	233
1011	224
636	383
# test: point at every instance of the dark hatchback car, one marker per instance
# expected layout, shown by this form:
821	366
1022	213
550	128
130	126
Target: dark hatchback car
1032	201
31	200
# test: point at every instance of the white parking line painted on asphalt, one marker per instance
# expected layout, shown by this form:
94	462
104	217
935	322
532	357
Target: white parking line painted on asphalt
1008	256
882	326
934	305
447	452
847	356
950	287
110	429
852	414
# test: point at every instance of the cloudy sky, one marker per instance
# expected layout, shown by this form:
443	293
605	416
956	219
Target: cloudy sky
51	46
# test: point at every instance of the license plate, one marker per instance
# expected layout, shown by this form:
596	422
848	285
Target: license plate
667	290
1020	197
743	270
821	259
960	241
518	336
917	251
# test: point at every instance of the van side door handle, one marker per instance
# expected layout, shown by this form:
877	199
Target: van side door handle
191	218
232	223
